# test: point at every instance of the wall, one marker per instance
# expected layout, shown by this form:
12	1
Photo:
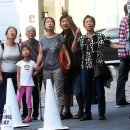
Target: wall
106	12
29	14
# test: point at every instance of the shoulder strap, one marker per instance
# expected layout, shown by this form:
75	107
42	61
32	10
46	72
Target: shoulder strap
19	46
2	45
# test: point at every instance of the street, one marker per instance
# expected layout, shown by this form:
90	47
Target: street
117	118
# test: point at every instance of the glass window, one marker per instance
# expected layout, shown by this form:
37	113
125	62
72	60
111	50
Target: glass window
112	33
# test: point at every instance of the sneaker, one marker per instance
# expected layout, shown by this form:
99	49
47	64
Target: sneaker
122	104
27	120
102	118
84	118
34	118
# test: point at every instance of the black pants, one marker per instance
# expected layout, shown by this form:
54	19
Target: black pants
3	87
124	69
35	95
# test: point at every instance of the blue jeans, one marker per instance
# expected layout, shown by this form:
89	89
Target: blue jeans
87	84
124	68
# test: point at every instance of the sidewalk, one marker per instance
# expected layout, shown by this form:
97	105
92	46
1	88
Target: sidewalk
117	118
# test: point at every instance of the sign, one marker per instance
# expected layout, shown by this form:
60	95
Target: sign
7	119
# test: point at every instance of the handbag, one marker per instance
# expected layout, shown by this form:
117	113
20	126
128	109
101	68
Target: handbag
102	71
63	62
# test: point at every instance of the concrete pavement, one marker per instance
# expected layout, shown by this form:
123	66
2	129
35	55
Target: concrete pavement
117	118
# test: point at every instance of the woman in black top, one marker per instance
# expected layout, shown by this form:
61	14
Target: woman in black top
91	43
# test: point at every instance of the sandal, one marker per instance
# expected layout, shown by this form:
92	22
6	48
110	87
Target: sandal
67	115
78	115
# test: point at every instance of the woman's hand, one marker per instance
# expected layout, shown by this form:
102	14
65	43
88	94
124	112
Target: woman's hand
19	87
68	65
77	34
38	67
35	73
64	12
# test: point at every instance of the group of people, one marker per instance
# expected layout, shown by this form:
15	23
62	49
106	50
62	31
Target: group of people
36	61
13	67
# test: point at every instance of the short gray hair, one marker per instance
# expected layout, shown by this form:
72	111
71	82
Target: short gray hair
30	27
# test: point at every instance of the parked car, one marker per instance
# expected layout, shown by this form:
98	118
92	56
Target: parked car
111	55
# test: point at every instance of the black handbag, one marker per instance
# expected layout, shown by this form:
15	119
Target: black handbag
102	71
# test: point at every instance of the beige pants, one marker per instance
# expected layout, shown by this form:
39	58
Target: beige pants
57	79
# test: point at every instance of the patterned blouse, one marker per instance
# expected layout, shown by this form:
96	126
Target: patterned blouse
96	44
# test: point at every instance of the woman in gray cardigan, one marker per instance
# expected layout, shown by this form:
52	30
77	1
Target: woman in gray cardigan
9	55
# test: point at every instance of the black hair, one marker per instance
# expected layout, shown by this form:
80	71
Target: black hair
91	17
23	46
62	17
125	9
10	27
48	18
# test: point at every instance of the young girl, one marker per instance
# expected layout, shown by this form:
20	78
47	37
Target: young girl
25	71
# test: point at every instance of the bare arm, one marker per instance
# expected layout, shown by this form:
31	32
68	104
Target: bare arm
70	20
74	47
18	77
72	24
36	72
67	55
117	46
40	56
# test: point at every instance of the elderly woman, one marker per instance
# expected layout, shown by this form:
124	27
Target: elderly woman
9	55
91	44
